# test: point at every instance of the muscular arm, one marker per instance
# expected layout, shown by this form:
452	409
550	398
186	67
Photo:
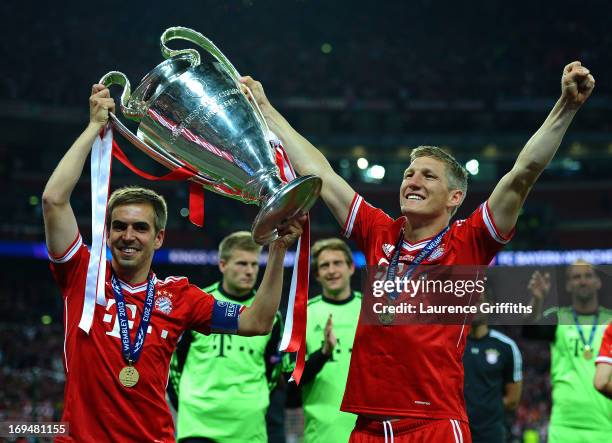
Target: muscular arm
60	223
258	319
336	192
603	379
512	190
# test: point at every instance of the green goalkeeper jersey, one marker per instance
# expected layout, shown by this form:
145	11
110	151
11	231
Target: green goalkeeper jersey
576	403
221	383
321	397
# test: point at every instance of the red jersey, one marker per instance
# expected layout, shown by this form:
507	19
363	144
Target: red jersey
96	405
412	370
605	351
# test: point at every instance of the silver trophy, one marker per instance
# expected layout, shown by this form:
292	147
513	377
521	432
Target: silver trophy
193	114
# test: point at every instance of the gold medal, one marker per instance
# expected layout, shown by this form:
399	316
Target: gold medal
588	353
386	318
129	376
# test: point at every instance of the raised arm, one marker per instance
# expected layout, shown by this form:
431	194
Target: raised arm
306	159
258	319
60	223
510	193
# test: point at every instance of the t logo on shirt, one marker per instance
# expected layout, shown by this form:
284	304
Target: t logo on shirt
114	319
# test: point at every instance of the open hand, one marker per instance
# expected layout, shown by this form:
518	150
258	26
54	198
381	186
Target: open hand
330	339
539	285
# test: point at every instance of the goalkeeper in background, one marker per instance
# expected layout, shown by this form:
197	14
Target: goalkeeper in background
220	385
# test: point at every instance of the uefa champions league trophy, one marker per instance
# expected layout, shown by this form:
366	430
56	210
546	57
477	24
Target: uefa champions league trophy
193	114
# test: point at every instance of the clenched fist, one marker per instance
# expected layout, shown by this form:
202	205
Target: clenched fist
577	84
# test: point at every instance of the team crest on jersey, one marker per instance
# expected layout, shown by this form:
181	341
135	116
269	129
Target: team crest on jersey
163	303
437	253
492	356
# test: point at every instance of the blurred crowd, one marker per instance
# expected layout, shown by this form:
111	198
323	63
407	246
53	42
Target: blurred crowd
422	50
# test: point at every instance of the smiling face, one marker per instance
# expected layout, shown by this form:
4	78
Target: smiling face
334	272
133	240
239	271
425	192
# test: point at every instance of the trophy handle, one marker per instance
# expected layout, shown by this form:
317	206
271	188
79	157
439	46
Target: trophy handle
118	78
192	36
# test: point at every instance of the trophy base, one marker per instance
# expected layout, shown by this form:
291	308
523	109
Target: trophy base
294	199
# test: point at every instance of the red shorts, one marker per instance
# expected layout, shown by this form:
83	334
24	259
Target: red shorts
411	430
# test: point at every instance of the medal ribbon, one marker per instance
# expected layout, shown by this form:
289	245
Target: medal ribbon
581	333
96	268
131	354
421	256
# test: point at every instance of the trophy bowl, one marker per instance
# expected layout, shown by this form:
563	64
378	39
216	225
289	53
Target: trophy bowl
192	113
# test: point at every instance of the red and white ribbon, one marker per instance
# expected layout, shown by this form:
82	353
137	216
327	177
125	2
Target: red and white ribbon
101	157
294	334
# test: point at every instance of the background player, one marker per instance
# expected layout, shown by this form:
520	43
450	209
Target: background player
330	331
219	383
493	379
578	413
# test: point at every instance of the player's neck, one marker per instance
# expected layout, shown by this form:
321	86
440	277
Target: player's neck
340	295
235	292
586	307
416	230
131	277
479	331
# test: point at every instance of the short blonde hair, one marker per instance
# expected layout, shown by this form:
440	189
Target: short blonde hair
334	244
136	195
456	174
241	240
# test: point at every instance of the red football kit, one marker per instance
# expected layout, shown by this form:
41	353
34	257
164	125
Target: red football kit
605	351
413	370
97	406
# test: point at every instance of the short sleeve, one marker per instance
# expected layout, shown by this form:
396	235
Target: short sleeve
605	351
480	235
70	268
362	220
513	370
201	306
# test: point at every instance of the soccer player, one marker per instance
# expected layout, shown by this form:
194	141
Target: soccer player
406	382
116	373
330	331
603	370
220	384
579	413
493	378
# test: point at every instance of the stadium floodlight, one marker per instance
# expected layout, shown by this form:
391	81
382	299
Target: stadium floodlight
377	172
472	166
362	163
